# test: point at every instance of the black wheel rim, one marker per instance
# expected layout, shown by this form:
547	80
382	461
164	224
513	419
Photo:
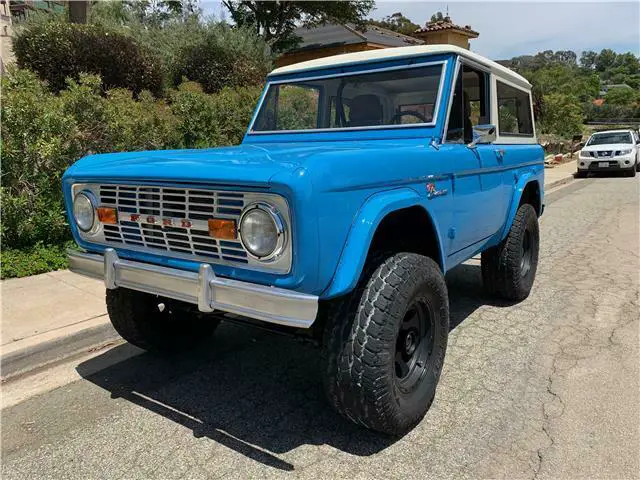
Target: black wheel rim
414	345
527	253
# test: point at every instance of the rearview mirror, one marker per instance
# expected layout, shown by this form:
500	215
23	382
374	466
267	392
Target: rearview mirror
483	134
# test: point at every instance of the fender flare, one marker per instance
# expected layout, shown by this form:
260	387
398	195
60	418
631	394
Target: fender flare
518	190
364	226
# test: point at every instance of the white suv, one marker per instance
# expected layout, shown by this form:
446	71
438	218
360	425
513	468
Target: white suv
610	150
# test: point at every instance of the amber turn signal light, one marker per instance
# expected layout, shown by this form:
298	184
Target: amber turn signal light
108	215
224	229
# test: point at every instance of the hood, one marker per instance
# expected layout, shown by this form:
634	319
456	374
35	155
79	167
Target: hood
251	165
607	147
244	164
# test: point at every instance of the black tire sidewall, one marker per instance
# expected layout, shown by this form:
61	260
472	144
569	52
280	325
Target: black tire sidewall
361	382
531	224
528	221
501	265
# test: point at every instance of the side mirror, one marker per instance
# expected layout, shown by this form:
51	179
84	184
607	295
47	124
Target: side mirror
483	134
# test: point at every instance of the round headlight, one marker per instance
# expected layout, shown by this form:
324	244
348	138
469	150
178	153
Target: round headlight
84	212
261	231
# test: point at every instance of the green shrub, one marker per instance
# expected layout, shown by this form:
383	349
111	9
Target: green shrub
223	57
31	261
116	121
210	120
39	141
44	133
611	112
29	217
56	51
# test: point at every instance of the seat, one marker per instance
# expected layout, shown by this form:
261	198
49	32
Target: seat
366	110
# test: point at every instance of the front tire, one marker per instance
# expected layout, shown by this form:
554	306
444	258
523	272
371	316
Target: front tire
384	344
631	172
509	269
172	328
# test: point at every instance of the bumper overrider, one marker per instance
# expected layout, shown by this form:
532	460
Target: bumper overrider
204	289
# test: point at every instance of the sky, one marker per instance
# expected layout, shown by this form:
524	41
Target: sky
511	28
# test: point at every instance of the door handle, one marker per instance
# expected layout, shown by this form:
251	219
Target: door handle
500	154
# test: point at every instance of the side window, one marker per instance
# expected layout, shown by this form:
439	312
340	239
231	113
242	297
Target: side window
470	105
514	111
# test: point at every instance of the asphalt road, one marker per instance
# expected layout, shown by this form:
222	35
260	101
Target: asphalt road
548	388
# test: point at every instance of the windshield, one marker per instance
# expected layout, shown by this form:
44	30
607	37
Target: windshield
609	138
385	98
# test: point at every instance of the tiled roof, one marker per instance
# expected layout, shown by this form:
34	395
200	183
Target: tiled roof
333	35
446	24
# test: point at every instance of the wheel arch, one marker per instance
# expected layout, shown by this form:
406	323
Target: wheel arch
527	190
382	215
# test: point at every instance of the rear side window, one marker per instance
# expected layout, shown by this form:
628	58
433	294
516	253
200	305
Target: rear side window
514	111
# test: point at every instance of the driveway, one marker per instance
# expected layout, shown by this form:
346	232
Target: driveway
548	388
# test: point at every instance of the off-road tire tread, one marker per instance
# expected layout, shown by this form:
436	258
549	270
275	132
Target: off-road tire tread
354	356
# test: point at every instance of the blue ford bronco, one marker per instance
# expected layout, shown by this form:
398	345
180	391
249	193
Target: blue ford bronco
362	179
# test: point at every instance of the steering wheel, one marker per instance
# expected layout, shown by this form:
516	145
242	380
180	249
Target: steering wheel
396	118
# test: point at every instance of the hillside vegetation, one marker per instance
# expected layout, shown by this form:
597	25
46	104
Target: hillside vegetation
565	88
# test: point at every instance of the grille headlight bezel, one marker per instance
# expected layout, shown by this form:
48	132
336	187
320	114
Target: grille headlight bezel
275	222
84	211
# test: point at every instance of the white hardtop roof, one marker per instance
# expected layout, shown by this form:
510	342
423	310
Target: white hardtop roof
398	53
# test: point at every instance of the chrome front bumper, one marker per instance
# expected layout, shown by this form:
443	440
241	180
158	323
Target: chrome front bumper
204	289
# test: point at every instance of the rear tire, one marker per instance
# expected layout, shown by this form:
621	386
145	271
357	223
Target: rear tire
509	269
136	316
384	344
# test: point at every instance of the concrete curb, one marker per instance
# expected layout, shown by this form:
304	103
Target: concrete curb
560	181
54	351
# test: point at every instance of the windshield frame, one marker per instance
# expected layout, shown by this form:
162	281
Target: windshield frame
602	134
303	79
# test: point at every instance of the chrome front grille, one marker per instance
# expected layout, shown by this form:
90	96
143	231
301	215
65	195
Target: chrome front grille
172	219
173	222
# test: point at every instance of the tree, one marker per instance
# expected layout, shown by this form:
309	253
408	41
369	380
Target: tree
79	11
605	60
437	17
397	23
561	115
588	59
276	21
157	12
621	96
566	57
628	62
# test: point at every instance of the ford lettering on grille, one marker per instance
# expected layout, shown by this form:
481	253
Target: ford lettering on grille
172	219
